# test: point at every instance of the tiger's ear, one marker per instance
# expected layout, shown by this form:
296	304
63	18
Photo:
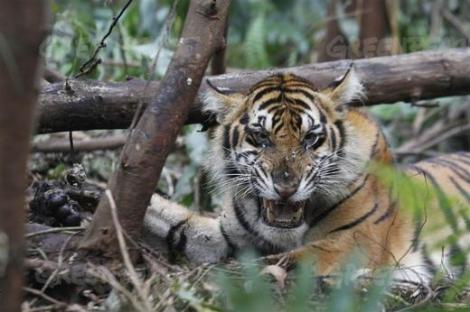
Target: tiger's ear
346	90
219	103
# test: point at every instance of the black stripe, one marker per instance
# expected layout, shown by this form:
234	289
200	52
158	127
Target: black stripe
170	237
461	190
264	92
376	143
357	221
430	266
274	107
226	142
322	117
298	121
416	234
276	118
235	136
298	84
246	225
278	128
261	169
268	102
326	212
441	198
387	214
232	248
301	103
262	121
307	94
230	170
332	138
297	109
342	135
182	242
264	83
242	220
458	258
456	169
245	118
250	141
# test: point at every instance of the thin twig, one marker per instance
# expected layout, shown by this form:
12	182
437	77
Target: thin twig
55	230
124	253
60	262
45	297
90	65
72	149
102	273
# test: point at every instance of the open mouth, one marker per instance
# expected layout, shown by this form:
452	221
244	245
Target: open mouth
282	214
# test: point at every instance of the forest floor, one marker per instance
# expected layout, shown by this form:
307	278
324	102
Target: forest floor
63	193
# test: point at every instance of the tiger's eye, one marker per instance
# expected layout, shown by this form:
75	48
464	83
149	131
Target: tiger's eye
261	137
310	137
313	140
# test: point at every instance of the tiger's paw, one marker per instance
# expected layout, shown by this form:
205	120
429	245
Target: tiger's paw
286	260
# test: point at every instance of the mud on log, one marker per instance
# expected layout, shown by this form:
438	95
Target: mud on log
99	105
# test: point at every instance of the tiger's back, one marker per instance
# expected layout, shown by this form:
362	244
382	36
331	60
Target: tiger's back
443	230
291	162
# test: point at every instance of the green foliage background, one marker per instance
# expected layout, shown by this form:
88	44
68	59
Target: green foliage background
262	34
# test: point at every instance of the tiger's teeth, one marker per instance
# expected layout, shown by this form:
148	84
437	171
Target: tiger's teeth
282	213
269	215
298	215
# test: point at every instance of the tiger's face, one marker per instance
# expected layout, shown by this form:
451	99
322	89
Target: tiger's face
283	145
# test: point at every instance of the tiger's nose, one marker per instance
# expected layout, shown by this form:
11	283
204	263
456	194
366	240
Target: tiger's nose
286	189
285	183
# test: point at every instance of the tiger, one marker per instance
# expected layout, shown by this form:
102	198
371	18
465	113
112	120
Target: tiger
292	163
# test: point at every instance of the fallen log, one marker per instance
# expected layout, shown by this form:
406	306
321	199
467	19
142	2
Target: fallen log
85	105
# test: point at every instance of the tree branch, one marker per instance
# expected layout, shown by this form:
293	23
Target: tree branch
409	77
148	145
87	145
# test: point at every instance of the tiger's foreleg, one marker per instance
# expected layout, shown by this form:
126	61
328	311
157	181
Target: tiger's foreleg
332	254
171	227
